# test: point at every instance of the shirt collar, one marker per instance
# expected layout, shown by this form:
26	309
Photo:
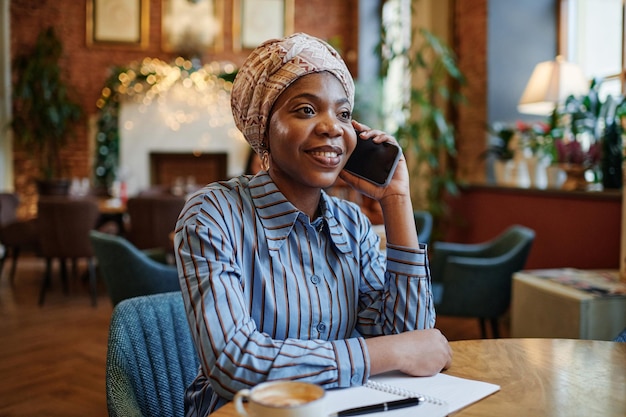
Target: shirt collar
278	215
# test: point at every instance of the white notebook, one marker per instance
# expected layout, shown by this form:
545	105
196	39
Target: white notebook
443	394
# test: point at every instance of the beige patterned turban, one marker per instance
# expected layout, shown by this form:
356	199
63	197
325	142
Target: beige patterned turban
270	69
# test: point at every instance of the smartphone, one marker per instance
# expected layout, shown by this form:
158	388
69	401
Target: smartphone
374	162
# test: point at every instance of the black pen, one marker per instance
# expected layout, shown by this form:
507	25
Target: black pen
375	408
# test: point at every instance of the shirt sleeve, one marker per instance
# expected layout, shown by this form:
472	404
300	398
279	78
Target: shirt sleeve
402	300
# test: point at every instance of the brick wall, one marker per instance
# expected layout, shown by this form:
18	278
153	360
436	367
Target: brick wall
470	44
87	68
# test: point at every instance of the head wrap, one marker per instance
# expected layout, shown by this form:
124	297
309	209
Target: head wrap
270	69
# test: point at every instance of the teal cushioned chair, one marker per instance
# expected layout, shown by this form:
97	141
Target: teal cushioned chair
129	272
474	280
423	225
151	357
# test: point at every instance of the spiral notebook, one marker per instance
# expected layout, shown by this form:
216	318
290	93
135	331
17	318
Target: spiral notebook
442	393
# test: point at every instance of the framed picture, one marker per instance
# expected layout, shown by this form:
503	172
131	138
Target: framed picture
192	27
124	23
255	21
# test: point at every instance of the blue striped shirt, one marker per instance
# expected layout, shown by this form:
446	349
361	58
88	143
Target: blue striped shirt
271	295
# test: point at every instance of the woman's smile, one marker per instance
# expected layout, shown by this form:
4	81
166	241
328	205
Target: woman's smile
327	157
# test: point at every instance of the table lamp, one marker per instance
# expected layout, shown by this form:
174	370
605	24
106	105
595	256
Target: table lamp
550	84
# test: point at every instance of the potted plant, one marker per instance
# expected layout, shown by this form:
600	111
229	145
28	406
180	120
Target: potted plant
44	116
426	131
500	152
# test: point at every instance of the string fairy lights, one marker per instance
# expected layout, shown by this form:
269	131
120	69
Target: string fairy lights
183	91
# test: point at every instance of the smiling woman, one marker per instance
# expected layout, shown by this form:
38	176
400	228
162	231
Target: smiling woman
317	282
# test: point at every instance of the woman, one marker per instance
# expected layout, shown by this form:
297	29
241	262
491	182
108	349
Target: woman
282	281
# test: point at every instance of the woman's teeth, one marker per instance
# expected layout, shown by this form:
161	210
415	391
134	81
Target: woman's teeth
325	154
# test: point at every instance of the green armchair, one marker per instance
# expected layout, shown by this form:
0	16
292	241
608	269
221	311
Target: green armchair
474	280
129	272
424	225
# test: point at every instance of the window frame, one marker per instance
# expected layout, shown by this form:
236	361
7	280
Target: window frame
565	27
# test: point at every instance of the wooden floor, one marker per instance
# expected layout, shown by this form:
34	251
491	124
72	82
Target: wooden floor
52	358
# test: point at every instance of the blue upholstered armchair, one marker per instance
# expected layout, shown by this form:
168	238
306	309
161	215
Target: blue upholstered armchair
129	272
474	280
151	358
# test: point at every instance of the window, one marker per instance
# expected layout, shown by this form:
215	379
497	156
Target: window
591	35
396	21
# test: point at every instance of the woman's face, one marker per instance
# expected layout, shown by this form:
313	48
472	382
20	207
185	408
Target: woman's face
310	133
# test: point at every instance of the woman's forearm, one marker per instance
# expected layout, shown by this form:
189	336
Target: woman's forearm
399	222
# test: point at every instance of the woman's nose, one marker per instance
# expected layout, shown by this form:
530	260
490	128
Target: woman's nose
328	126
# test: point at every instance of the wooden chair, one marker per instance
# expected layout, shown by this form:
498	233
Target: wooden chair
152	219
64	226
15	235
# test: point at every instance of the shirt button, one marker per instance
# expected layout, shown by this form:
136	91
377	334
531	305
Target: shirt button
356	379
315	279
321	327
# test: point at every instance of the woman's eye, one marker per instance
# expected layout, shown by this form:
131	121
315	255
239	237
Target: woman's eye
346	115
306	110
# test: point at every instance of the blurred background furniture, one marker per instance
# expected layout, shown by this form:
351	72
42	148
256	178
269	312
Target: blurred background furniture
423	225
64	226
151	358
568	303
129	272
151	220
474	280
15	235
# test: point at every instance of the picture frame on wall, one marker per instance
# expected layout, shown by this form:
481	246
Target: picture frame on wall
192	27
255	21
118	23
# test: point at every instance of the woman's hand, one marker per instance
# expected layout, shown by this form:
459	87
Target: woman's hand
415	353
399	184
394	199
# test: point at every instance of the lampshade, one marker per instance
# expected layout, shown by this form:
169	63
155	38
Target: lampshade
550	84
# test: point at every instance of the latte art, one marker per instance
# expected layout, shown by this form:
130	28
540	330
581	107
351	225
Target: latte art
286	399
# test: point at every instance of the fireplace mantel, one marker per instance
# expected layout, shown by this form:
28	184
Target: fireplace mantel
143	130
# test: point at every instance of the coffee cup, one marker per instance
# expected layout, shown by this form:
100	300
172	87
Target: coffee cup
281	399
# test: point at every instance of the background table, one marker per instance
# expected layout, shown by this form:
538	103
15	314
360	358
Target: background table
539	377
568	303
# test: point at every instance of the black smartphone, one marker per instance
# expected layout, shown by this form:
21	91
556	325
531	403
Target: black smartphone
374	162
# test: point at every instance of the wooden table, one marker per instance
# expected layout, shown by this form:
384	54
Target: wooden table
538	377
112	210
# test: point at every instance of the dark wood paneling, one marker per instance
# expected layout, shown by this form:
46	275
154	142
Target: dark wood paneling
574	229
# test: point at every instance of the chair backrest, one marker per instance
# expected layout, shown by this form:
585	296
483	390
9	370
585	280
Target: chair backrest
423	225
514	240
129	272
8	208
152	219
64	225
151	358
475	279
